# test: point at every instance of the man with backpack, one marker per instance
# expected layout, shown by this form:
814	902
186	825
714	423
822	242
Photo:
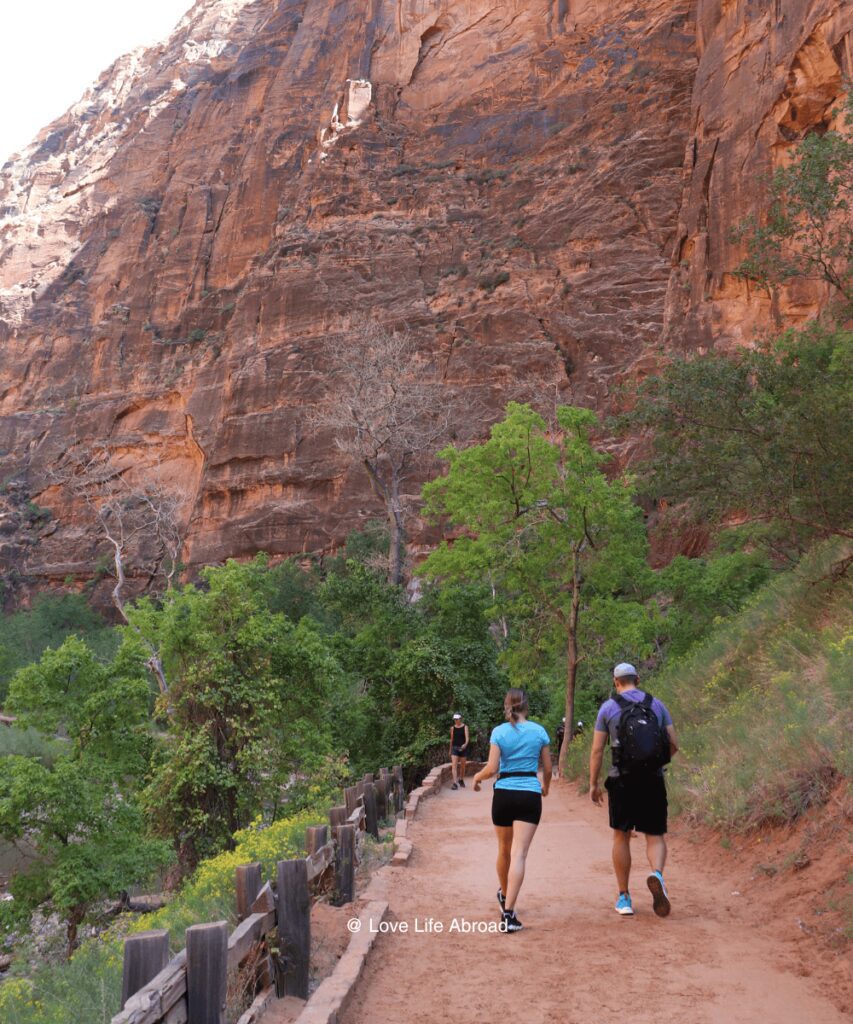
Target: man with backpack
642	741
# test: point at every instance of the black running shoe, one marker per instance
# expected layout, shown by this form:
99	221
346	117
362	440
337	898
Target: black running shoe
462	783
454	786
510	922
502	899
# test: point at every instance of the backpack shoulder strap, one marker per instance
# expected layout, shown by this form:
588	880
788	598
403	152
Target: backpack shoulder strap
623	702
648	700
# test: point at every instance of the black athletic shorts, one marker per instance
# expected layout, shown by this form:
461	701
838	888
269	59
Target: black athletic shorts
509	805
637	802
458	752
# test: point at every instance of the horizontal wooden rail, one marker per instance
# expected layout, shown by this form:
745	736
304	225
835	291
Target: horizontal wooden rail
246	934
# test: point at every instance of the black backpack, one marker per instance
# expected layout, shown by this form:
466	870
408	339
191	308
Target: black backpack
643	745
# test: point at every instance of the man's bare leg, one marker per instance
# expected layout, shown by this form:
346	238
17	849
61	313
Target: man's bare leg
656	852
622	858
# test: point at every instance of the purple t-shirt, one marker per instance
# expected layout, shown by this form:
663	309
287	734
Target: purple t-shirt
608	718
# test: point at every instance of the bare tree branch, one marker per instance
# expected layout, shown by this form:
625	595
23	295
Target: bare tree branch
388	409
133	508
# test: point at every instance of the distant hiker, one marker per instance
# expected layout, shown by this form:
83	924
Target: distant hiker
458	750
515	751
561	732
642	741
577	731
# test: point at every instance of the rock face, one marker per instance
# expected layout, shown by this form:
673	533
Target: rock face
508	180
768	73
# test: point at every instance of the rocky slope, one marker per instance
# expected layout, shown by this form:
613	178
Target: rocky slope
541	190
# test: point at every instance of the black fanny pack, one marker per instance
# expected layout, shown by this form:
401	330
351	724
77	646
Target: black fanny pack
514	775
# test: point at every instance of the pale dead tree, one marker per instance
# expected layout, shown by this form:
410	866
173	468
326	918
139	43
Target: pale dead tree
388	411
132	511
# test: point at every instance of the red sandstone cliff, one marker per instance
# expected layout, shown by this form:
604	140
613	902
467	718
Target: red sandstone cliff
175	248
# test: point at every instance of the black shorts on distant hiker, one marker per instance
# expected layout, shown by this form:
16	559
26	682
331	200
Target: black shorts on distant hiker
459	740
642	742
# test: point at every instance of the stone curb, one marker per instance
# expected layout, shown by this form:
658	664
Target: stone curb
334	993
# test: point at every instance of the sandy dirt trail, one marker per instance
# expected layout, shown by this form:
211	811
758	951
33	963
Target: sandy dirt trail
576	960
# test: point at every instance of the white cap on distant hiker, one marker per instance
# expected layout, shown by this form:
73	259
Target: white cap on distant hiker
624	669
457	715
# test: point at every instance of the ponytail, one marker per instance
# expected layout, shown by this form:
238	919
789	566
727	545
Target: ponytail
515	704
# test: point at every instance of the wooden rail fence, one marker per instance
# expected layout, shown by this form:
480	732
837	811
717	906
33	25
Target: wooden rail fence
191	987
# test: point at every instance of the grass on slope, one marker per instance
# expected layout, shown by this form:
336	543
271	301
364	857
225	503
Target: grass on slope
762	707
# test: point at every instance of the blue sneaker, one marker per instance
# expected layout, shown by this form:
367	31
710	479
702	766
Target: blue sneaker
623	905
660	900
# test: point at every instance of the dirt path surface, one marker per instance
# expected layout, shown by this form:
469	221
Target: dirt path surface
576	960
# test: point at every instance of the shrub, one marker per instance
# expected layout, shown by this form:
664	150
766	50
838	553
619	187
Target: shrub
490	282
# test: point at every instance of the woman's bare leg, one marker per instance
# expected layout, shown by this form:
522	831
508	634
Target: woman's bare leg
504	835
522	836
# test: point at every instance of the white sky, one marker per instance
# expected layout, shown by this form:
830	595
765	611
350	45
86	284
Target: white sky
52	50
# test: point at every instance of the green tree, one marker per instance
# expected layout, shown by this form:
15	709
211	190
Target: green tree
26	634
248	712
759	436
562	547
102	711
76	807
807	231
409	665
89	838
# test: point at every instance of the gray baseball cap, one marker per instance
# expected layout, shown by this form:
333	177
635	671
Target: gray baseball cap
624	669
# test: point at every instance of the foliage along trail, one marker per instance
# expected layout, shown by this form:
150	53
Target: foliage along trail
714	961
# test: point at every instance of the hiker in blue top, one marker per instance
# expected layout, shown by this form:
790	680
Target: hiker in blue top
642	742
515	751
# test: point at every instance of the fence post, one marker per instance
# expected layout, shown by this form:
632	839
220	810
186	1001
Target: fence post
368	777
337	816
294	923
381	799
207	972
390	805
370	814
145	955
315	837
345	863
400	785
248	883
351	796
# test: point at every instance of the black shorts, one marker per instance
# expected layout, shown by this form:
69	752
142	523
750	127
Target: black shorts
509	805
458	752
637	802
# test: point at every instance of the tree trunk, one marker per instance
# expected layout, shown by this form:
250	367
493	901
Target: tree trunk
572	659
72	924
397	551
118	601
390	496
154	664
